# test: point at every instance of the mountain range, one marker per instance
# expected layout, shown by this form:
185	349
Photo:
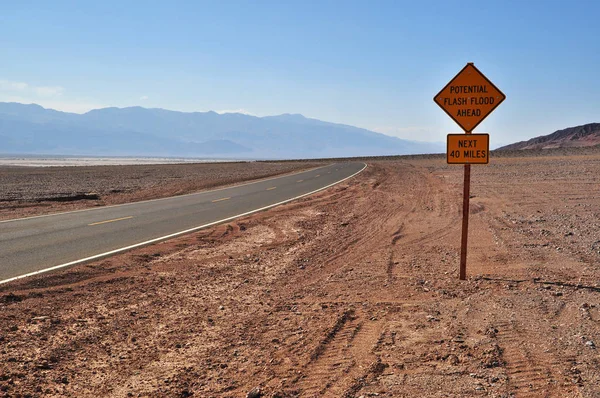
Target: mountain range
137	131
579	136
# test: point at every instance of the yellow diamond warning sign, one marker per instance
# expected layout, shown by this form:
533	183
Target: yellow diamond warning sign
468	149
469	98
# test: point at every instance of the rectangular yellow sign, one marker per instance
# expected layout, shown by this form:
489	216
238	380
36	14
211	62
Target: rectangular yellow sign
468	149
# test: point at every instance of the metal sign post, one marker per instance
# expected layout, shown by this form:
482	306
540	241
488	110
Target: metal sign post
462	275
468	99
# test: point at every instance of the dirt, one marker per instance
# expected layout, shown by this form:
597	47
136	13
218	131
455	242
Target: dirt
28	191
352	292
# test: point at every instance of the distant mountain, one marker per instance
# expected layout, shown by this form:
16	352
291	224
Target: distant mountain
140	131
580	136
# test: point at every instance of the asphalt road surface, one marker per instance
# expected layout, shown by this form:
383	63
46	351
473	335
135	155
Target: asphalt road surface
39	244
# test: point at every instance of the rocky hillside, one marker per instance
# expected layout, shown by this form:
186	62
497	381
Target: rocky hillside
580	136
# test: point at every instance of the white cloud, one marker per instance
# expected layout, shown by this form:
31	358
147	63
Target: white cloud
28	89
144	97
46	96
242	111
48	91
53	103
7	85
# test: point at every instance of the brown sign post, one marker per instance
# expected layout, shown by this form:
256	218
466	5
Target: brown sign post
468	99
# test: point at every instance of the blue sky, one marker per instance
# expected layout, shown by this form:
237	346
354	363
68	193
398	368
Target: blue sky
372	64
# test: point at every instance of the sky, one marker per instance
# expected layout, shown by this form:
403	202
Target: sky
372	64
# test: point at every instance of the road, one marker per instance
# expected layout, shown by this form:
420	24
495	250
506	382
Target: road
34	245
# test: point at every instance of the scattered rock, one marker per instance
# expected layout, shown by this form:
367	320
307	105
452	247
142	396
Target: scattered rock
12	298
590	344
491	331
254	393
44	365
453	360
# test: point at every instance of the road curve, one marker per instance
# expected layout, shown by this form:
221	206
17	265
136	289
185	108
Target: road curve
33	245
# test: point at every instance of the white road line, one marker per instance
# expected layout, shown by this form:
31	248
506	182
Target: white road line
155	240
170	197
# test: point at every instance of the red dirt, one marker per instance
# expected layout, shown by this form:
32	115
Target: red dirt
351	292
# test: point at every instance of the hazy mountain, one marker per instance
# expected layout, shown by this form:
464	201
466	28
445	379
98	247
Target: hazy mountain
159	132
580	136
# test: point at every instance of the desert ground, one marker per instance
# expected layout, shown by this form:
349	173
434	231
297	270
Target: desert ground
28	191
352	292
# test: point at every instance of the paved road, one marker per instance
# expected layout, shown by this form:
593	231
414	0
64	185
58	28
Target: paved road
44	243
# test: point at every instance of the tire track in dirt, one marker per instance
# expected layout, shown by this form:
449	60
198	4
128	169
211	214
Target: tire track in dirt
246	306
531	371
437	207
341	357
396	236
347	245
439	214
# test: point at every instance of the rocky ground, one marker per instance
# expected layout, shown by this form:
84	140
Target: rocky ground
27	191
352	292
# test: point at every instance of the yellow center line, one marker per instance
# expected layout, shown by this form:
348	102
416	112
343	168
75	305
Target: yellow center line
268	189
116	219
299	180
219	200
